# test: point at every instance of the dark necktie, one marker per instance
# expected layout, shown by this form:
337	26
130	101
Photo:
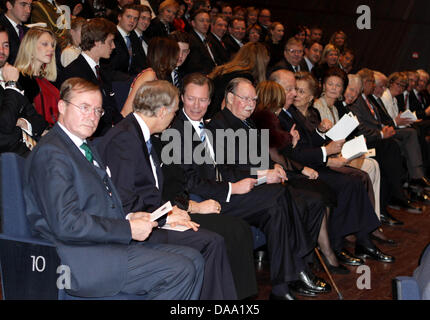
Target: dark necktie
99	78
176	78
130	51
88	154
149	146
20	31
202	132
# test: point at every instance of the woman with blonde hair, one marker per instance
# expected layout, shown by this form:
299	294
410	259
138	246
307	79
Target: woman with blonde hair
329	59
36	63
338	39
250	62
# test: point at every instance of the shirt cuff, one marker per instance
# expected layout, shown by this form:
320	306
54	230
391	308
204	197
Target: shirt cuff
229	192
321	134
29	131
324	152
127	217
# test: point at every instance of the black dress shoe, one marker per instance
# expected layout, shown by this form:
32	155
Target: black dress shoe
299	288
313	283
383	241
373	253
389	220
407	206
340	269
422	182
344	257
286	296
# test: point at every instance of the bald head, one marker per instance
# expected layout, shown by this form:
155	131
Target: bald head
286	79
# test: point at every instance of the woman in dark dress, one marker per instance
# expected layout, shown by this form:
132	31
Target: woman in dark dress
275	42
312	196
250	62
236	232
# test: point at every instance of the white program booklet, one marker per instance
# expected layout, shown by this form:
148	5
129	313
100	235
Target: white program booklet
354	148
164	209
261	180
343	127
407	114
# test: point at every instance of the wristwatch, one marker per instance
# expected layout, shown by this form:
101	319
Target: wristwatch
10	84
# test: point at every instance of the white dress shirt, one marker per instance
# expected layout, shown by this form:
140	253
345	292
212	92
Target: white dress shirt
196	127
147	136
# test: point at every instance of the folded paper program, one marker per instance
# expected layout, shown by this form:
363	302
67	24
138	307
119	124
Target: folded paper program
343	127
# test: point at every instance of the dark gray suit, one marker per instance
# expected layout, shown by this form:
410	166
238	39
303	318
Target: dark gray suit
74	204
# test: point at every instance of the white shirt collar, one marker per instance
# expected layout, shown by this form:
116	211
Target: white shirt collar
90	61
309	63
238	41
76	140
137	33
201	36
194	123
219	39
143	126
122	32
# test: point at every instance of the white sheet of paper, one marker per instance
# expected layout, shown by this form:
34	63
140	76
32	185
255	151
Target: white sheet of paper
354	148
177	228
343	127
261	180
164	209
407	114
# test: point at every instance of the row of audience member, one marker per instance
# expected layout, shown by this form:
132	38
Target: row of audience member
313	196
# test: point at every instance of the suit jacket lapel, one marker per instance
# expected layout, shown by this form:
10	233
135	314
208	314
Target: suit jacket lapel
138	131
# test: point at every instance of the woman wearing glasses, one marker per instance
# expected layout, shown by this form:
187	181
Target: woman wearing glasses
36	63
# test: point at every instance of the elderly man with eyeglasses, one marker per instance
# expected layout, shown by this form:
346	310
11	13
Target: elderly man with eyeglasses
293	56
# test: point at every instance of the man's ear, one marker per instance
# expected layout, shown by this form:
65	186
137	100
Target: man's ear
62	106
228	98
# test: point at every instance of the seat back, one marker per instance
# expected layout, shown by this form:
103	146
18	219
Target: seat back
14	221
422	274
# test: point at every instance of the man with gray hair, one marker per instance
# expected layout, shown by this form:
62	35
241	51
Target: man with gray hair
72	202
136	172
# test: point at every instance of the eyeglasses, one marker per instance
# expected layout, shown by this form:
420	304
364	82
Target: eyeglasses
86	109
295	51
246	99
401	85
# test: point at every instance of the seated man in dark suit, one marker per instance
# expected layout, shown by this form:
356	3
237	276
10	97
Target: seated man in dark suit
13	20
312	57
293	55
201	59
408	99
215	36
236	33
136	172
267	206
97	41
72	202
19	121
128	57
389	148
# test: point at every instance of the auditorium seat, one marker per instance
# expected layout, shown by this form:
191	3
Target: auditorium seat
28	263
416	287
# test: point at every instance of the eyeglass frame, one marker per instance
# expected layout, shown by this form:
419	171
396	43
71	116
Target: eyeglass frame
246	99
89	108
294	51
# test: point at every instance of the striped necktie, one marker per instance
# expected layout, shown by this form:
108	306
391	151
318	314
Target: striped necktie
88	153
